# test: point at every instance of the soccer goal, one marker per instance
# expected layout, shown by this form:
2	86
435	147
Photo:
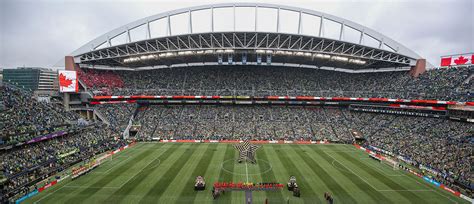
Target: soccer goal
391	162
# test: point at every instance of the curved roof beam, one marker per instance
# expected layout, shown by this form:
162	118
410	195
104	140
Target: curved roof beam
105	39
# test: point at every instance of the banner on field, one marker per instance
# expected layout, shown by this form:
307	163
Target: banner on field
68	81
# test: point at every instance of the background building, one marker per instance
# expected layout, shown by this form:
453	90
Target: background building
42	81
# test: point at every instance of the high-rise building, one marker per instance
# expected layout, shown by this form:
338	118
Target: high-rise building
42	81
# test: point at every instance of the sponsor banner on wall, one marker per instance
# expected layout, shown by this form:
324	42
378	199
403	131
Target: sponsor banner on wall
432	181
67	153
252	141
45	137
31	194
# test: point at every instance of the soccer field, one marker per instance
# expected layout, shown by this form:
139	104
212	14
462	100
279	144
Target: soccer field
165	173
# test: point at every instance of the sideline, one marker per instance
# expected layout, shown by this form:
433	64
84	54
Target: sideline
68	175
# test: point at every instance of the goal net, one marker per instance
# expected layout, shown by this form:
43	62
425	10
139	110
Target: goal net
391	162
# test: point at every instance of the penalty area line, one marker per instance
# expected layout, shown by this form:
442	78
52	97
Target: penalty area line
429	187
113	166
409	190
154	166
49	194
363	179
378	168
331	151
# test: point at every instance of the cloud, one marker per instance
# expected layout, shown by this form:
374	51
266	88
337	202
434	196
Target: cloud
39	33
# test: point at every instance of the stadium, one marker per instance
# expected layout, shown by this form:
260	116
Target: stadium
188	106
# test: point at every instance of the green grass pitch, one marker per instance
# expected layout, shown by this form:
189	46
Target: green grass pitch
165	173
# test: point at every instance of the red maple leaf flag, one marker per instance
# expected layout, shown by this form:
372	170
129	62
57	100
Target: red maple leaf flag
446	61
67	81
63	81
461	60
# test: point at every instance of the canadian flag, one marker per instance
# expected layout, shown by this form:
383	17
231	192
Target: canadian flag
456	60
67	81
446	61
460	60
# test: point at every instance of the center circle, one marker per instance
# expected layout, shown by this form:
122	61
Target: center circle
233	167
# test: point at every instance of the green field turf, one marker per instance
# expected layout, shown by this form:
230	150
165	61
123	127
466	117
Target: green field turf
165	173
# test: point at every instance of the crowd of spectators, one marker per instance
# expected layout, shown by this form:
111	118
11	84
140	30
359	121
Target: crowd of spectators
23	117
436	143
241	123
26	165
117	115
440	84
23	164
439	144
100	80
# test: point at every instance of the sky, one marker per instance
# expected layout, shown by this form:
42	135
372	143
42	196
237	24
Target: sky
40	33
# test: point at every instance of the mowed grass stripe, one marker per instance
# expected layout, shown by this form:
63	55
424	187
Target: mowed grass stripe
117	172
226	176
164	182
282	174
116	196
61	193
253	177
355	179
171	194
307	192
333	186
212	174
375	195
268	177
387	181
188	195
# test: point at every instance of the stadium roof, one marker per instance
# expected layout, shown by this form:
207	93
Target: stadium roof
154	41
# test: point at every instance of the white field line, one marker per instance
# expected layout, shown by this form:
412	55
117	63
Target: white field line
409	190
382	190
113	166
123	183
49	194
67	186
379	168
405	174
329	151
246	171
159	162
363	179
352	147
91	187
430	187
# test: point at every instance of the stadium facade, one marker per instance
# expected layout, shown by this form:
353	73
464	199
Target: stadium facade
298	38
166	79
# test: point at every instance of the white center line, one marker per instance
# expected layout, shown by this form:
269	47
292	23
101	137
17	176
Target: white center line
246	171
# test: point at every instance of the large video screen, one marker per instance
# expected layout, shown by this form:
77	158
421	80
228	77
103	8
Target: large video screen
67	81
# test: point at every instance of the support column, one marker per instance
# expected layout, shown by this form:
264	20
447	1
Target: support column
321	27
419	68
70	64
66	101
